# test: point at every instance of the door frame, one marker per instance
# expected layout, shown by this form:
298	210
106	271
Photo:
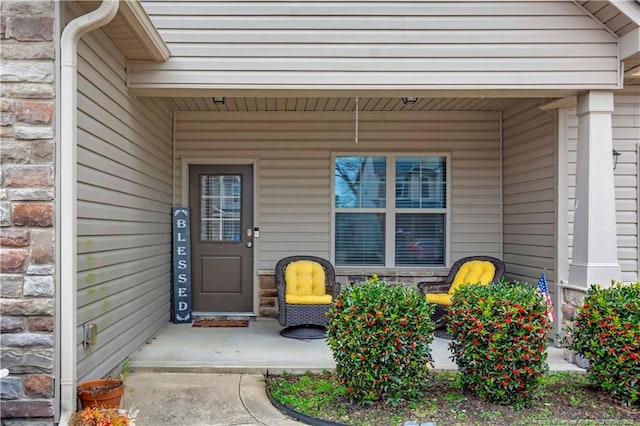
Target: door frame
184	200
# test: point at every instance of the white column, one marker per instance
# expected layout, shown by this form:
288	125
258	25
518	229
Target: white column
595	250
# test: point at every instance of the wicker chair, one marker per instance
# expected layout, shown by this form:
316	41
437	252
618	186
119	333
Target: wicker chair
442	288
291	314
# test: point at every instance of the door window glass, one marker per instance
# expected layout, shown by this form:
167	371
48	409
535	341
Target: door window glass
220	207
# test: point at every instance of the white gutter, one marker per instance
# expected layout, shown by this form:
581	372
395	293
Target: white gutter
68	197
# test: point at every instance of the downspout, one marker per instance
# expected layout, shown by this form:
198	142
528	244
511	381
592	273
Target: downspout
501	236
68	197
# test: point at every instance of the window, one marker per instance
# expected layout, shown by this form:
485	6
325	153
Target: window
390	210
220	207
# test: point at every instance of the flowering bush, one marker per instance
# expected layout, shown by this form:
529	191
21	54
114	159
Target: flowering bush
92	416
607	333
499	340
380	336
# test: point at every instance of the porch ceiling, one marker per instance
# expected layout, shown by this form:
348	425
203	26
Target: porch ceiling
339	104
632	73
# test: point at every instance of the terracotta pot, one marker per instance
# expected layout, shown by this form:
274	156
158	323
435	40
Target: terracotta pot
101	393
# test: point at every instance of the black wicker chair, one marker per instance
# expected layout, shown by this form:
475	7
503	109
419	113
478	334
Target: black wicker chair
443	286
293	315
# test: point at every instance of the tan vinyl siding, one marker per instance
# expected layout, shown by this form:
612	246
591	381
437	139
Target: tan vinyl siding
385	44
124	204
626	139
529	192
293	152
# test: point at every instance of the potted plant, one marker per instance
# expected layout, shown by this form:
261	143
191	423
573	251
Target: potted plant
104	393
101	393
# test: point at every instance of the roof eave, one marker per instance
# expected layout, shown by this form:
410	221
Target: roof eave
630	9
138	19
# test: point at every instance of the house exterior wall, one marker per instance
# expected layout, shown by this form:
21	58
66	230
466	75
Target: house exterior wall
27	211
529	192
124	210
430	45
294	150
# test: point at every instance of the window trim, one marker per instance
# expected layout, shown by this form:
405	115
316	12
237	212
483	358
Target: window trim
391	210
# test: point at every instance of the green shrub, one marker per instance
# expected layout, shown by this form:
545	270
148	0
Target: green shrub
499	340
607	333
380	336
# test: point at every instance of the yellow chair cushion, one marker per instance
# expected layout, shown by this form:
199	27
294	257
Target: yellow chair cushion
305	283
308	300
439	298
473	272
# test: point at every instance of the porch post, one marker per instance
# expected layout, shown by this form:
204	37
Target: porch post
595	251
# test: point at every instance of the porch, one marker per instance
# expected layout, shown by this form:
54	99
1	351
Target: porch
259	348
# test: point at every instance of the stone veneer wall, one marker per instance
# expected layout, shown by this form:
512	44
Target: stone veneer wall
27	183
571	302
269	295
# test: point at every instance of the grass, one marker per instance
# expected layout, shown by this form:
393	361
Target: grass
564	399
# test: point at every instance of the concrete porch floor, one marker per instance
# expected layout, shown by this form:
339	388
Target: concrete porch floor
259	349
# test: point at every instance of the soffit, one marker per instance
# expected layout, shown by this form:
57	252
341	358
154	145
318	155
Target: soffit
246	104
132	31
610	15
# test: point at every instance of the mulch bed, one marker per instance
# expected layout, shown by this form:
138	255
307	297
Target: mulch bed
216	322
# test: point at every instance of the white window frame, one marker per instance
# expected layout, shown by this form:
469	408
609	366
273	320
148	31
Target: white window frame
390	210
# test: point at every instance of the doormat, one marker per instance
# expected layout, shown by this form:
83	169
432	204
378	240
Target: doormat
216	322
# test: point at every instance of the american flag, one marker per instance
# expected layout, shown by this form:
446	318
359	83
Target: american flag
543	289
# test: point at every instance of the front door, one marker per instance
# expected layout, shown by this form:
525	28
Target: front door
221	202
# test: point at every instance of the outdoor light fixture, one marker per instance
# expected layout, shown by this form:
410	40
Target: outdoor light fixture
409	100
616	155
218	99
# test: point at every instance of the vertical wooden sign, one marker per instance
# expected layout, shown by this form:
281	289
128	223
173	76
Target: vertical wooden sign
181	308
